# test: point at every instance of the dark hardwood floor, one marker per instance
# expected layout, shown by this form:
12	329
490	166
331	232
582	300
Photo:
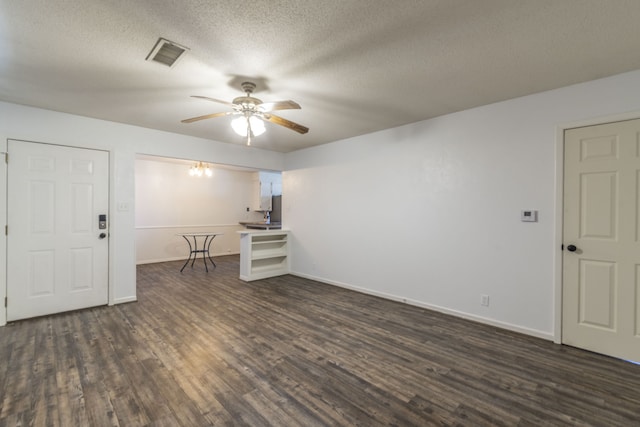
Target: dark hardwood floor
208	349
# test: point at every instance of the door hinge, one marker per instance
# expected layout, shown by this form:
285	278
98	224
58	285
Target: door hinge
6	230
5	301
6	158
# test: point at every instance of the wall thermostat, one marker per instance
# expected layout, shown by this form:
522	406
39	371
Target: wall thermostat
529	216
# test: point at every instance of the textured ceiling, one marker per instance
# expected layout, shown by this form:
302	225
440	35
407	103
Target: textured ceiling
355	66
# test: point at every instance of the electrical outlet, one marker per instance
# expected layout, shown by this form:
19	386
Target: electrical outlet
484	300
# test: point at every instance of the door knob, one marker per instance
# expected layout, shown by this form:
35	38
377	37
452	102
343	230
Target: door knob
102	235
572	248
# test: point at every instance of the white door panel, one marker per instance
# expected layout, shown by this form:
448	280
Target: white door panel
56	260
600	278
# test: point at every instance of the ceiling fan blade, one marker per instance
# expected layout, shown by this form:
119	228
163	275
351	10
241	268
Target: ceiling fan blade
279	105
219	101
286	123
208	116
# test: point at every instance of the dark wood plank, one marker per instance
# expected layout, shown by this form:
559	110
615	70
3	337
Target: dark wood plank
208	349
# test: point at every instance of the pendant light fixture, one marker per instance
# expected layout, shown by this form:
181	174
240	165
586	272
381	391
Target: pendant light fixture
200	169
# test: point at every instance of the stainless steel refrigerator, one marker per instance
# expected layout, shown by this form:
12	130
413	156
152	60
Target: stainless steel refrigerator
276	209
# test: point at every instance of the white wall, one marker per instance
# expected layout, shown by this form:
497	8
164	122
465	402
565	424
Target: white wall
123	142
430	212
169	201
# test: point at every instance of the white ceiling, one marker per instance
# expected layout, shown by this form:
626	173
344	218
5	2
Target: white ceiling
355	66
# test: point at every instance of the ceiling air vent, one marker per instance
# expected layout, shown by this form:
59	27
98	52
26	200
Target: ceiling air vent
166	52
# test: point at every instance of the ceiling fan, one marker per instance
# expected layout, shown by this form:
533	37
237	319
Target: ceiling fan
252	113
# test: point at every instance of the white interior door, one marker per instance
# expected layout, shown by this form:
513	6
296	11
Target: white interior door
57	259
601	258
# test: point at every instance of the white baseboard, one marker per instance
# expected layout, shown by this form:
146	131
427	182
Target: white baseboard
182	258
503	325
123	300
154	261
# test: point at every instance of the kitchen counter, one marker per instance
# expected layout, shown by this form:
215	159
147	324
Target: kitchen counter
262	225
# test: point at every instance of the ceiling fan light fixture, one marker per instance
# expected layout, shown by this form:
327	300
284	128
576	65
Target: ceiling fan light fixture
240	125
252	113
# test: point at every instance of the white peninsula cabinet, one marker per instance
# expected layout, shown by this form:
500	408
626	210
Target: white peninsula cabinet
263	254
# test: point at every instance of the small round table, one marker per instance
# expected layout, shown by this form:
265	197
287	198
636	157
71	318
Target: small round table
194	251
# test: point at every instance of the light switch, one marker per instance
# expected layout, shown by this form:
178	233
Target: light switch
529	216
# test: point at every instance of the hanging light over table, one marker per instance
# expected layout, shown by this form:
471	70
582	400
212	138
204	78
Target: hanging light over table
200	169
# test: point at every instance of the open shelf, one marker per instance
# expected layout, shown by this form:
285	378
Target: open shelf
270	238
263	254
267	264
263	250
